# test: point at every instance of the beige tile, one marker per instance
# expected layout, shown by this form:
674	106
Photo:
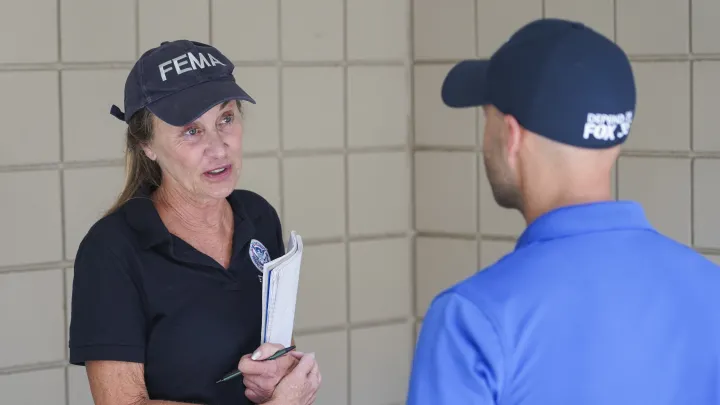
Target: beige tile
380	280
39	296
313	107
437	271
445	192
494	219
705	31
596	14
312	30
261	121
714	258
662	118
706	98
33	387
29	31
493	250
331	353
496	21
377	29
314	195
662	185
163	20
379	194
262	175
83	209
246	30
78	387
31	210
380	359
89	131
322	300
666	32
33	121
444	30
378	106
435	123
706	200
87	38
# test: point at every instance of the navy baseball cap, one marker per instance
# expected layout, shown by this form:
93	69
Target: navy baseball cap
558	78
178	82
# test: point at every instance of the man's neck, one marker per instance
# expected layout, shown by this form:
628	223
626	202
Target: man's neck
563	195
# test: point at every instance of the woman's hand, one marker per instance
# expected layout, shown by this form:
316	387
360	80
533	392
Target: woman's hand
261	377
301	385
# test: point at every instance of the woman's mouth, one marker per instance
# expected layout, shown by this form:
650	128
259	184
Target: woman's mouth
219	173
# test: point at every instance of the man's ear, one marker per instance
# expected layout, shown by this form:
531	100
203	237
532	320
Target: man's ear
514	132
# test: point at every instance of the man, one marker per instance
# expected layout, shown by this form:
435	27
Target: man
593	306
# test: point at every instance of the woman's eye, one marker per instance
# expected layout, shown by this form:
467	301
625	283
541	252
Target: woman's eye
227	119
191	131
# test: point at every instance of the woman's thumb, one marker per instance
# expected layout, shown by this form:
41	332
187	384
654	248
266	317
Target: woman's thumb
305	365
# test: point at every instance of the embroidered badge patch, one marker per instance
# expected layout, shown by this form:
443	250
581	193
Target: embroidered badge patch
258	254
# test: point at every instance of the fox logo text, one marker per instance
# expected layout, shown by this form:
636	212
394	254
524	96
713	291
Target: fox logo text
607	127
187	62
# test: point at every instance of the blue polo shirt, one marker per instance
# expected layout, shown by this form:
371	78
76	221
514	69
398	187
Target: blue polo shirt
593	306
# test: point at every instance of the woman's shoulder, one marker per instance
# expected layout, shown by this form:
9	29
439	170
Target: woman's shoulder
254	205
108	235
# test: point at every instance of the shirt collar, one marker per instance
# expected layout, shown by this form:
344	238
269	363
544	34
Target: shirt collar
142	216
585	218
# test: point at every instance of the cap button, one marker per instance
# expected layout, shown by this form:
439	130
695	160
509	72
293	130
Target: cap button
164	42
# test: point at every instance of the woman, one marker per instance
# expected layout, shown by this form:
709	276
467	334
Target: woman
167	289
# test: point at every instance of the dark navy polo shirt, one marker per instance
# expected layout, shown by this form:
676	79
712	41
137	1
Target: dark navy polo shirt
141	294
592	307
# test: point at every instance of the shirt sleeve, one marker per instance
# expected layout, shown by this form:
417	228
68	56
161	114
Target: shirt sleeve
458	358
107	318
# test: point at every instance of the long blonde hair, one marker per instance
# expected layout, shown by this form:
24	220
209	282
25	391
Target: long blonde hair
139	169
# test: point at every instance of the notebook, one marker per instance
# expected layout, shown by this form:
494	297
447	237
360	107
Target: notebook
281	278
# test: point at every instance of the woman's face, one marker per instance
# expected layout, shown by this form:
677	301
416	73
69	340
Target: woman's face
202	159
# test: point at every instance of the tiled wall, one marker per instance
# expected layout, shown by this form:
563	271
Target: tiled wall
349	141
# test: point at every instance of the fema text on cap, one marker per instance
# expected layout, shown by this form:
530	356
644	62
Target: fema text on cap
196	62
604	127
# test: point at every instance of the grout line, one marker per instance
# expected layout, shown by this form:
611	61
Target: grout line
82	66
347	327
691	129
280	153
615	21
61	156
25	368
210	22
410	82
137	32
476	30
477	146
690	26
58	28
66	375
346	191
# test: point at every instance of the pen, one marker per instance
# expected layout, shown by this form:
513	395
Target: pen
274	356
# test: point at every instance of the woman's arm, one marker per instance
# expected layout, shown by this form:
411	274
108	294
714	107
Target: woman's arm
119	383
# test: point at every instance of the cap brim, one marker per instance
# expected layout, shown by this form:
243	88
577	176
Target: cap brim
466	85
188	105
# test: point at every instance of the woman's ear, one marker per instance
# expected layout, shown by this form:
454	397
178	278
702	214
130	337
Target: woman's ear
149	152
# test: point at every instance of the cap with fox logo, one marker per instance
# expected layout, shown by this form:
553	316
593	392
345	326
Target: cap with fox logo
558	78
179	81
